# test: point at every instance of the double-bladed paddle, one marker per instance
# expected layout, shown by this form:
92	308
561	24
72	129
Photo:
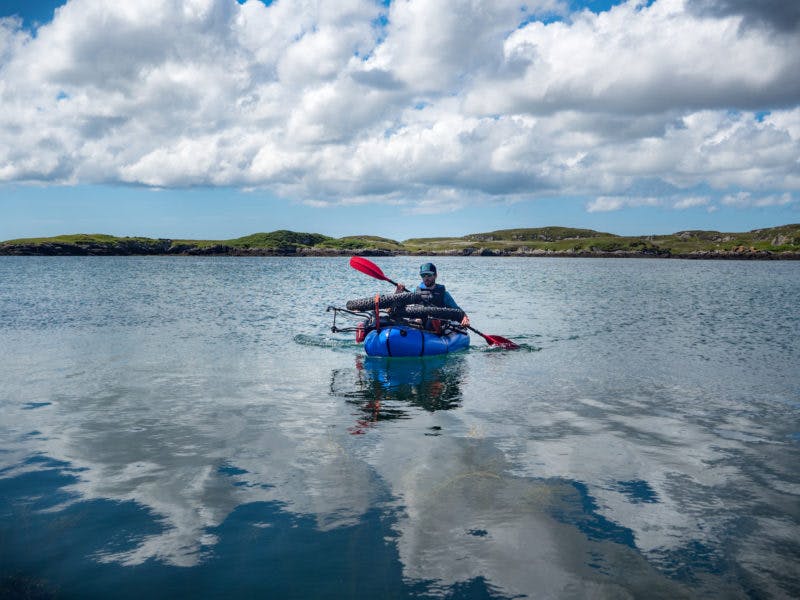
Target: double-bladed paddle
370	268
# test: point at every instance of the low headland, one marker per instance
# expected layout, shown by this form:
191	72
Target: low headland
773	243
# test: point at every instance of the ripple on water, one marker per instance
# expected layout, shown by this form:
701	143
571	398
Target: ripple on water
197	418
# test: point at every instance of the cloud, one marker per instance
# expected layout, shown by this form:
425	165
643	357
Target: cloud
747	200
357	102
691	202
608	204
780	15
614	203
641	59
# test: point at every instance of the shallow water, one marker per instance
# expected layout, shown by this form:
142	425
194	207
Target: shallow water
190	426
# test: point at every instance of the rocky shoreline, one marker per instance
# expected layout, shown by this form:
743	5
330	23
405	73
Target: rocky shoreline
166	247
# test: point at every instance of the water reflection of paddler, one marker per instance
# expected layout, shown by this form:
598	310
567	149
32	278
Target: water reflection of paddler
432	383
383	388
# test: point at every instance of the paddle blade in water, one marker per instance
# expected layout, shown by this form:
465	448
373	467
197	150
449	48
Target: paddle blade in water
497	340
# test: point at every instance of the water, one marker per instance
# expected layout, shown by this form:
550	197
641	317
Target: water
190	427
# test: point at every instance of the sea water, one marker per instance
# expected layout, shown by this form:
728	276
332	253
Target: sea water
190	427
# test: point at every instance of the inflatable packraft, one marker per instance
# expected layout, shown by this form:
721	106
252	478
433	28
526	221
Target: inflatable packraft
398	325
404	340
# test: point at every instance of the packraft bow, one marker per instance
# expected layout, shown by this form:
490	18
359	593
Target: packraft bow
402	325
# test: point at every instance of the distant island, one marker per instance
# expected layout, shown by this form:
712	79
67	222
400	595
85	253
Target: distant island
774	243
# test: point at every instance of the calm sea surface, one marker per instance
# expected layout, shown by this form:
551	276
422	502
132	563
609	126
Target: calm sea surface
189	427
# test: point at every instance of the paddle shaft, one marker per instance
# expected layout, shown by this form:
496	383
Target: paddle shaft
394	283
483	335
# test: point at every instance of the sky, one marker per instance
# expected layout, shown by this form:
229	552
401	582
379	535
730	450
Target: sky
214	119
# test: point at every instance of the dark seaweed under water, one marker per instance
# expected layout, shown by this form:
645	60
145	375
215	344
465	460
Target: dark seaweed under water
189	427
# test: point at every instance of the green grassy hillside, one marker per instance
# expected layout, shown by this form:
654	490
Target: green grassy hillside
541	240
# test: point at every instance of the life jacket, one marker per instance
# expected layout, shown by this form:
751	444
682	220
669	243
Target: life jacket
433	296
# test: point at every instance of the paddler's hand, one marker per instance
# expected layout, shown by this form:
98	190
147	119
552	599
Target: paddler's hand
465	321
400	289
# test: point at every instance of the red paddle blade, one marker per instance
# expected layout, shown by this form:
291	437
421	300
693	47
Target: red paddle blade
367	267
498	340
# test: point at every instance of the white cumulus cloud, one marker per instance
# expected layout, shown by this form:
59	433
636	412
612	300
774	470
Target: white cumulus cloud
432	105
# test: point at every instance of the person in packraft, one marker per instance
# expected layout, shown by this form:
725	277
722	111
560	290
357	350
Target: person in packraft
439	296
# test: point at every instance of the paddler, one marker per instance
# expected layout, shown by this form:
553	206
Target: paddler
438	295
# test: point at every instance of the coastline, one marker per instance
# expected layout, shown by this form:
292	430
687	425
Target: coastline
773	243
168	248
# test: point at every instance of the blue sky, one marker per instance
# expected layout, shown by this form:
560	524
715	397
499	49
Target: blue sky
32	12
216	119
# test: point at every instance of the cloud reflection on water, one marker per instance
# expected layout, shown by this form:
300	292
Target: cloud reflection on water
191	462
586	469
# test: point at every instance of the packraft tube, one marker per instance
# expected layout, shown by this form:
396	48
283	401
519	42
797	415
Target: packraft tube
401	340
